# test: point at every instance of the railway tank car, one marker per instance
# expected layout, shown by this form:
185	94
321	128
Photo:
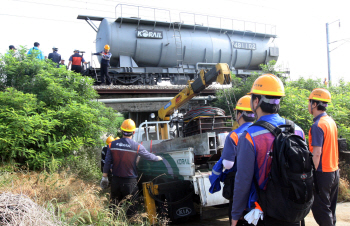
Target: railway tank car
145	52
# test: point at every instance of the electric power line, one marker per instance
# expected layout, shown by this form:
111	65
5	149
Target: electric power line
71	7
38	18
345	41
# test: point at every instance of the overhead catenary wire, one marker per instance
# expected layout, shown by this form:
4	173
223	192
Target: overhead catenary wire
64	6
40	18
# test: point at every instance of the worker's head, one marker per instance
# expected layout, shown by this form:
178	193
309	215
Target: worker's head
12	47
266	93
243	110
62	60
76	51
36	44
109	140
55	49
319	99
128	127
107	48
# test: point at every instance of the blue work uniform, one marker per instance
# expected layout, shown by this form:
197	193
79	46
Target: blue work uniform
253	159
123	153
106	57
36	50
55	57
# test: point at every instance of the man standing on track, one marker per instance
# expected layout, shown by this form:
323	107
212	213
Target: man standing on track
106	57
75	60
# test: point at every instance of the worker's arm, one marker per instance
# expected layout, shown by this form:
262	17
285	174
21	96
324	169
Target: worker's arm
108	162
230	150
244	176
317	155
147	155
317	143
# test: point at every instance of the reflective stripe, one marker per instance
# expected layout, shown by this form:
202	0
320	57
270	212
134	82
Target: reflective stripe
215	172
127	130
254	91
119	149
243	109
260	132
321	99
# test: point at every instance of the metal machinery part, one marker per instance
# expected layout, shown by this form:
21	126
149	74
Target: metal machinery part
147	52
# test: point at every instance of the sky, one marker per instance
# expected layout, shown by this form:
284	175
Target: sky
301	27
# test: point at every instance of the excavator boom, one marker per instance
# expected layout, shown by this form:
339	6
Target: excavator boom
220	73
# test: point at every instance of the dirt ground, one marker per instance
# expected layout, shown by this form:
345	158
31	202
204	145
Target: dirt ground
342	212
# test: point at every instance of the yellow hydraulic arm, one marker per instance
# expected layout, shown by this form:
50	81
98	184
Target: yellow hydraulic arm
220	73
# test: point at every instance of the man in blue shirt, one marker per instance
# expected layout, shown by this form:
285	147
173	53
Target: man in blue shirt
245	118
254	147
36	51
54	56
106	57
123	154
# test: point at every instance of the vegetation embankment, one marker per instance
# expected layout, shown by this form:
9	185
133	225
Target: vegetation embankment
294	106
49	131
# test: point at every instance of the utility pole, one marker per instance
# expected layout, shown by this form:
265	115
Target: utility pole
328	57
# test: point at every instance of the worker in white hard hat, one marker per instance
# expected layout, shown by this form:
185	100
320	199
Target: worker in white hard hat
62	64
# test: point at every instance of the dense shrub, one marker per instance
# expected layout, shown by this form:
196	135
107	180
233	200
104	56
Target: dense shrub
48	112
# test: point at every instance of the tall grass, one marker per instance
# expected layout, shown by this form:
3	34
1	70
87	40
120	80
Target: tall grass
73	200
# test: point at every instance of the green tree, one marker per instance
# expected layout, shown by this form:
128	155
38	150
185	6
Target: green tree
48	112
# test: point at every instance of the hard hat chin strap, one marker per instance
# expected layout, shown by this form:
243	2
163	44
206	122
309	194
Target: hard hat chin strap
266	100
319	104
251	115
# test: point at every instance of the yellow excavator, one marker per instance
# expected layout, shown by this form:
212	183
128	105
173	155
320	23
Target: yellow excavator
220	74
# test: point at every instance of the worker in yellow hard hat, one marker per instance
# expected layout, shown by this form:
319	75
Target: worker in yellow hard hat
122	154
323	143
253	153
245	118
104	151
105	63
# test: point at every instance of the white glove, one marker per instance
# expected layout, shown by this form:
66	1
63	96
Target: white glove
253	216
104	183
160	158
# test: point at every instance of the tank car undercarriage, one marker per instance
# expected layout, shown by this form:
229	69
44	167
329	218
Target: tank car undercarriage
144	75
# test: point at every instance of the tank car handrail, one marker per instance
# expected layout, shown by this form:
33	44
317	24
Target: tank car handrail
231	19
138	11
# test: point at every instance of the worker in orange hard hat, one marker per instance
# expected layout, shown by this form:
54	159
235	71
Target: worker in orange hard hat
323	143
122	153
105	63
253	154
245	118
325	82
104	151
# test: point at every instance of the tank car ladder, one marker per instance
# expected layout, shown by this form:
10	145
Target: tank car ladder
178	45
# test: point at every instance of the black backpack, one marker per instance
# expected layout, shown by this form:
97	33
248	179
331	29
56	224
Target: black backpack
289	190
